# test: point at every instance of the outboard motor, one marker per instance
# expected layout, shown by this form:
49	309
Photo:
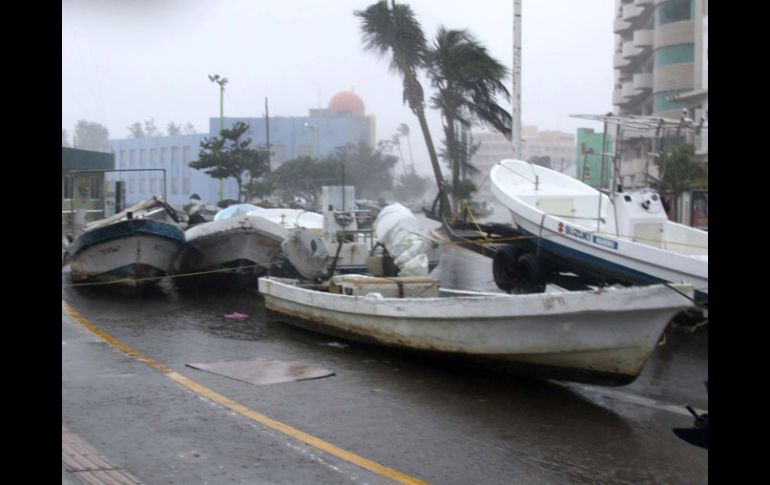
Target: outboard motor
307	252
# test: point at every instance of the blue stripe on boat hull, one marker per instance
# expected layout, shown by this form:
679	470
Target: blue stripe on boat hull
130	273
602	266
127	228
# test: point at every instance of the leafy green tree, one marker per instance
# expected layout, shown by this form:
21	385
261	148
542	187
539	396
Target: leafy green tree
393	29
261	187
302	174
229	155
680	171
135	130
368	169
150	130
90	135
465	189
468	80
173	129
65	142
410	186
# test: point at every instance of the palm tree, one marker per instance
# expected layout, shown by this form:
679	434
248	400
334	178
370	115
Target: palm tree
403	130
393	29
468	81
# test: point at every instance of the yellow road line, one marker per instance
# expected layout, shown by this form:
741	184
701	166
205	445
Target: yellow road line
243	410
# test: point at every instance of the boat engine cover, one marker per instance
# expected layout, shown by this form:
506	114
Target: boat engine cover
307	252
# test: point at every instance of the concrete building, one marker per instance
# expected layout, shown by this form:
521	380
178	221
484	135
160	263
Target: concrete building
661	70
590	146
493	147
343	122
558	146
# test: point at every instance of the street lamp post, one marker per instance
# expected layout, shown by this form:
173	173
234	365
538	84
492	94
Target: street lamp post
221	81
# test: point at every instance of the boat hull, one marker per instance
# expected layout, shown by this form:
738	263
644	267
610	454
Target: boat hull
132	252
597	336
593	250
223	242
607	263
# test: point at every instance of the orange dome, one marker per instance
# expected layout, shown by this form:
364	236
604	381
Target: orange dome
346	103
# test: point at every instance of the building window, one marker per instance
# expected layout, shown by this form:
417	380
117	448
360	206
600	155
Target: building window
123	161
153	185
174	154
174	185
153	157
132	157
141	186
185	186
131	186
674	11
675	54
67	187
163	156
185	154
142	157
660	102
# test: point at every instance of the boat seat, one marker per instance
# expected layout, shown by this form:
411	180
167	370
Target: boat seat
395	287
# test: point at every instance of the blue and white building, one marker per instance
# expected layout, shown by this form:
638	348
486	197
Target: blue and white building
316	135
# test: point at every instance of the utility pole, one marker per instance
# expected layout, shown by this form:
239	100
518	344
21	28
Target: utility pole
221	81
516	91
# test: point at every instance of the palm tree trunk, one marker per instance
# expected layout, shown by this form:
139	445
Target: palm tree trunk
447	209
451	141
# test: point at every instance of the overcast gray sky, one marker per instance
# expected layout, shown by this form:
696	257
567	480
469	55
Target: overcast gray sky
126	61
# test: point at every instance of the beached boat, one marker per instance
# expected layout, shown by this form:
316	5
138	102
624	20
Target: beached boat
134	247
292	218
603	336
622	237
234	249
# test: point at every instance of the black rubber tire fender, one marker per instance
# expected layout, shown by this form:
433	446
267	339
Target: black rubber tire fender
530	273
504	267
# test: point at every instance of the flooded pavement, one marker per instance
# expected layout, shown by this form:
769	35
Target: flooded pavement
431	421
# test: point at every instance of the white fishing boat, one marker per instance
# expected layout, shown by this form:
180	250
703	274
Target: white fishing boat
135	247
291	218
350	240
234	249
624	236
338	240
603	336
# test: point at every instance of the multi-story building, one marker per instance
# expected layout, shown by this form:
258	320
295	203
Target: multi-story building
316	135
160	165
493	147
591	168
558	146
661	64
555	146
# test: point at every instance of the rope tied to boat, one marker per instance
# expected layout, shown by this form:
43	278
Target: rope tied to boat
534	182
171	276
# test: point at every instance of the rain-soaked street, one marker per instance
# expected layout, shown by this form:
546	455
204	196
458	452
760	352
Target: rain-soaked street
415	418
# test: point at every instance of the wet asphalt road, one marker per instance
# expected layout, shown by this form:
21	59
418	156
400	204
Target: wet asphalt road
434	421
